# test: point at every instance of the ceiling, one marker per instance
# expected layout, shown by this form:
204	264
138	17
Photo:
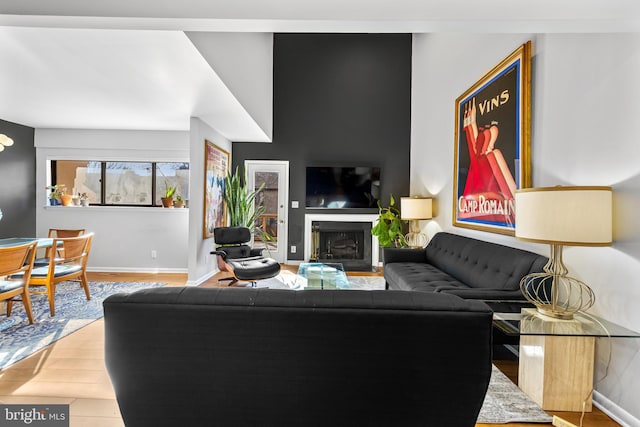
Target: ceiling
127	64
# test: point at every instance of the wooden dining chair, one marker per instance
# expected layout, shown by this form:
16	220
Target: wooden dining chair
71	265
64	233
16	264
58	232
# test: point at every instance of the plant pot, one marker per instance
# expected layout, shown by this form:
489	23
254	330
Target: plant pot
76	201
84	202
178	204
167	202
65	199
54	202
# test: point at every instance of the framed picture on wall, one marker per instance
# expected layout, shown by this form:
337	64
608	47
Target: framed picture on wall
492	151
216	168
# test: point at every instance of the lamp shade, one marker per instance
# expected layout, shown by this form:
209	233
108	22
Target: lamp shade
416	207
574	216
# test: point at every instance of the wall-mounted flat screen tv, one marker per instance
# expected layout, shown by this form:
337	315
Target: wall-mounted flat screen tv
333	187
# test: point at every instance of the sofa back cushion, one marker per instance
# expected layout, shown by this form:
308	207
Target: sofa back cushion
481	264
269	357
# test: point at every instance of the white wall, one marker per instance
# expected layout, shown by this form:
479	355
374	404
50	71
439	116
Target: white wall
244	62
585	111
202	265
124	236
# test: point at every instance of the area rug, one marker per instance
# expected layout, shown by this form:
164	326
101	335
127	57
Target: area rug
506	403
19	339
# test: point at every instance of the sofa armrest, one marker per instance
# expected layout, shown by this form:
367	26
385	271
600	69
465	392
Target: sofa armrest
390	255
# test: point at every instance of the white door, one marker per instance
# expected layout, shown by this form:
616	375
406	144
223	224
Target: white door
274	174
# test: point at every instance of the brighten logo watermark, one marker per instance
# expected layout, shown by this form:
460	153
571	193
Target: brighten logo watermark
34	415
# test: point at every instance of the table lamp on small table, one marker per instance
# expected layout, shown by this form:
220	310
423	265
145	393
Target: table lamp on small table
414	209
560	216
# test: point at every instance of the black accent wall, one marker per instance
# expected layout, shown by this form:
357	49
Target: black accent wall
339	99
18	182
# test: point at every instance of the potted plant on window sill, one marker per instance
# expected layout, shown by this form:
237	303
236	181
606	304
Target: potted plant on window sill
57	191
169	192
178	202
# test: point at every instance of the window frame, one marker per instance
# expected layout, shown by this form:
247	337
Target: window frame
53	166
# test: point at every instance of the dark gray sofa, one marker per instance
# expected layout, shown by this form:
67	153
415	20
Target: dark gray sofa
463	266
188	356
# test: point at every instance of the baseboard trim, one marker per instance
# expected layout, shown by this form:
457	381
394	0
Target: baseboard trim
201	279
614	411
135	270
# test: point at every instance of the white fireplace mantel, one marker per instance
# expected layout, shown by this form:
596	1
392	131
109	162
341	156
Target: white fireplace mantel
309	218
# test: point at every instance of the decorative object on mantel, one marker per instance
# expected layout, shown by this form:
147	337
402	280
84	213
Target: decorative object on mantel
574	216
388	229
414	209
5	141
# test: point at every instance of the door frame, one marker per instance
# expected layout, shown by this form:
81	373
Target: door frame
283	213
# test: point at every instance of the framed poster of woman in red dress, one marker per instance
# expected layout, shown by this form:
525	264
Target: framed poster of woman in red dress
491	155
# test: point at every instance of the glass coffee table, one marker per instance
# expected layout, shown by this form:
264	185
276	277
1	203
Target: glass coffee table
314	275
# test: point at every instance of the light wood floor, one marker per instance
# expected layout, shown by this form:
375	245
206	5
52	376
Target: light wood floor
71	371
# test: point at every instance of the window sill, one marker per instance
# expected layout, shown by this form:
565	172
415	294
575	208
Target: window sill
136	208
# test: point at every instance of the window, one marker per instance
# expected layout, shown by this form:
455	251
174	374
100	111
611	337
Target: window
172	175
121	183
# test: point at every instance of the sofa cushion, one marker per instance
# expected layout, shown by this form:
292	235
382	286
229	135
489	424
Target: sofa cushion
412	276
482	264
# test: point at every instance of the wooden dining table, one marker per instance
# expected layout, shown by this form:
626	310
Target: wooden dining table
43	242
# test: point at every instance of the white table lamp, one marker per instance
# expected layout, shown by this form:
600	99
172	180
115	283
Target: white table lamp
415	209
559	216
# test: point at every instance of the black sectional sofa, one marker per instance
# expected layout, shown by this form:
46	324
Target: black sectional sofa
188	356
458	265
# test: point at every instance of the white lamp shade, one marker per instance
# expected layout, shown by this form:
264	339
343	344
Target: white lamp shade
574	216
416	208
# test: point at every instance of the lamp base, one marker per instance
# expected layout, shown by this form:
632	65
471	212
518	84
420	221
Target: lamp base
549	311
553	292
416	240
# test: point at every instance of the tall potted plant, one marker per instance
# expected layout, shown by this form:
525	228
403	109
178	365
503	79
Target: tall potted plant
241	206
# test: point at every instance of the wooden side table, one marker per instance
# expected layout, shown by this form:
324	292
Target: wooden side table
556	357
